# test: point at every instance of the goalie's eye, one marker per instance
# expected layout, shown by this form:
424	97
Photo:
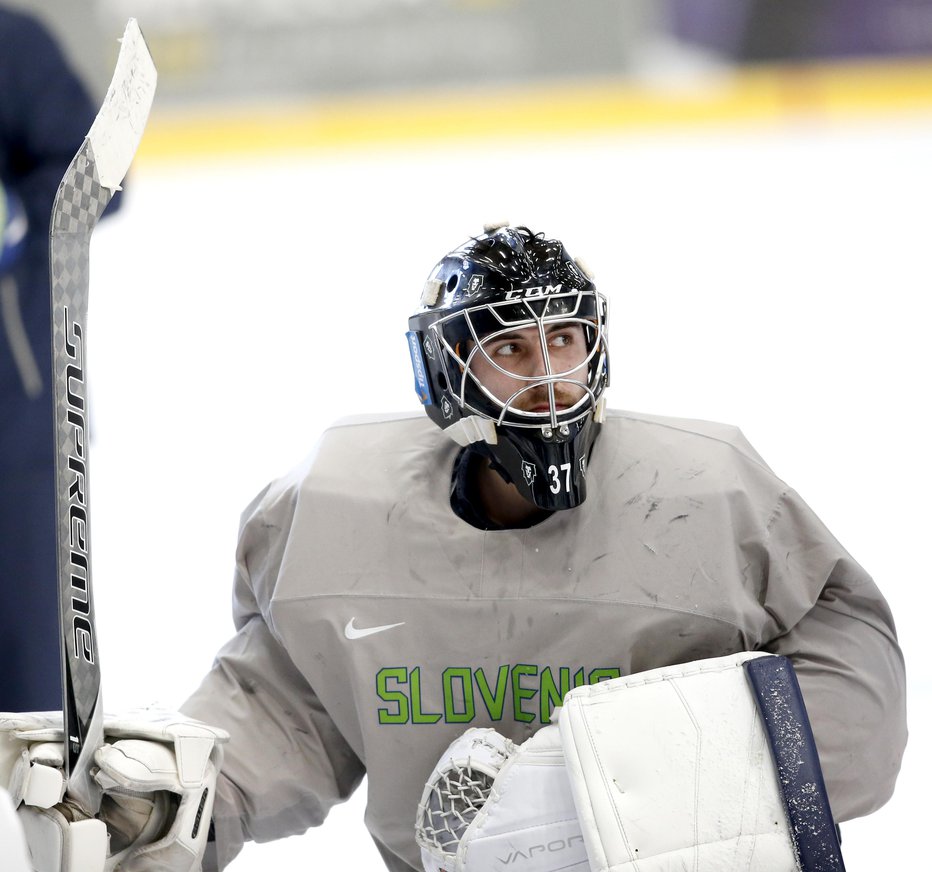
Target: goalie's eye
504	349
566	336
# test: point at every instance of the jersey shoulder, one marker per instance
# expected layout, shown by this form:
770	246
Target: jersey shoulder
353	455
686	431
375	419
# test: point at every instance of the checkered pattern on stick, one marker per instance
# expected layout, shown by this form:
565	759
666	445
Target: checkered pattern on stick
78	206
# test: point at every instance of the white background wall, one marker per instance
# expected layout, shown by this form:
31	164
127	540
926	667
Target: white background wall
774	277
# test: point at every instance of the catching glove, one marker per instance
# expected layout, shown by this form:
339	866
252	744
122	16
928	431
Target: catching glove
492	804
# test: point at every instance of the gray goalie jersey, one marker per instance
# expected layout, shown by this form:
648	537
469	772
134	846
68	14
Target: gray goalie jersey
374	625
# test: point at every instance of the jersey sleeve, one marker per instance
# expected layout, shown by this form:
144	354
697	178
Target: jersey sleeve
839	632
286	763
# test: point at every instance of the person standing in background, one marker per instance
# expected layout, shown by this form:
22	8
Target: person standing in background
45	112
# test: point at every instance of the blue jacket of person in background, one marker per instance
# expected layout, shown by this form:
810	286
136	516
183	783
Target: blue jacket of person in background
45	112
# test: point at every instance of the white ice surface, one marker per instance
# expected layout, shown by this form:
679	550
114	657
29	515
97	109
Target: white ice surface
776	278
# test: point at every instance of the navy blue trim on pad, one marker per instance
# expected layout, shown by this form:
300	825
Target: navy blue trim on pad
781	705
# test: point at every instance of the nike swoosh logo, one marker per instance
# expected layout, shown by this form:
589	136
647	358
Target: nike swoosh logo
353	632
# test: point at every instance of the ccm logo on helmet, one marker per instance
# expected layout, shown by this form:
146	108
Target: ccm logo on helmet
536	291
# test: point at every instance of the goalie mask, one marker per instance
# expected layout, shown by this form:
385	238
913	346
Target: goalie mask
509	352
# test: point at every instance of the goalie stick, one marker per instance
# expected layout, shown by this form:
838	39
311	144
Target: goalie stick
93	176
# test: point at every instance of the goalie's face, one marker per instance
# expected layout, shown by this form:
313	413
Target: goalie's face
522	358
540	369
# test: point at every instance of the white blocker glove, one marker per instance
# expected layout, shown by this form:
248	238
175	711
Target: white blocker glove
708	766
490	805
157	771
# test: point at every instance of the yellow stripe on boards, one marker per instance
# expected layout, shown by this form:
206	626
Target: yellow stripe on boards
761	94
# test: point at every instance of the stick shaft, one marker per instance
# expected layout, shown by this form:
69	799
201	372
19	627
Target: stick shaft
87	187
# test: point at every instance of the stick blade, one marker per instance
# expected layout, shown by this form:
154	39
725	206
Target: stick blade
117	131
